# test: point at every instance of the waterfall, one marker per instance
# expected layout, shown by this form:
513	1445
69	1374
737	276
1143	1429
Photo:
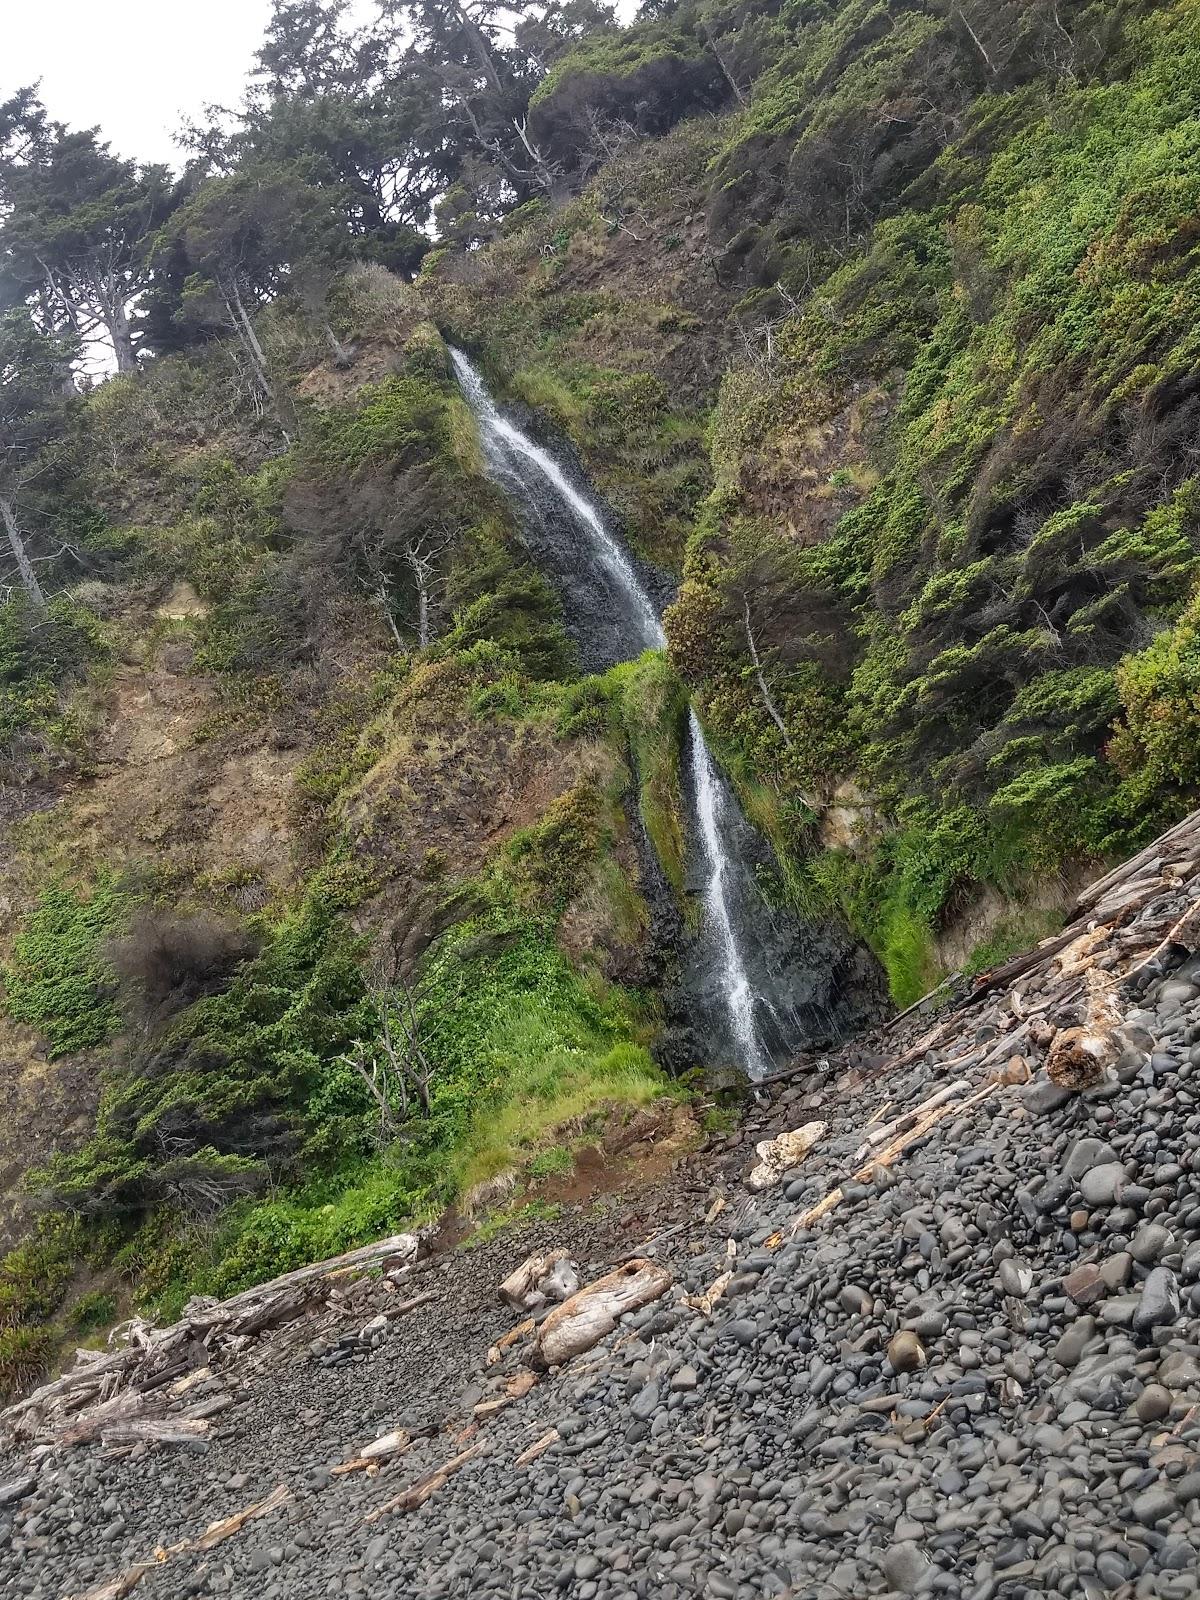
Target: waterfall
598	572
615	619
711	797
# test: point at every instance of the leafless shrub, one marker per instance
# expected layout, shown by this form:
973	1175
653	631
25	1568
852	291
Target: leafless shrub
394	1067
166	961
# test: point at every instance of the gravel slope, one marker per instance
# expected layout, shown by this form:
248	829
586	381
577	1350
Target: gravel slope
1034	1432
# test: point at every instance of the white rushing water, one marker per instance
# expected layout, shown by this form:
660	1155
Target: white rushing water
507	448
739	997
510	453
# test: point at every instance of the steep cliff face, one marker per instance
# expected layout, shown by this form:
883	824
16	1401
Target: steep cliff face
299	905
900	342
334	885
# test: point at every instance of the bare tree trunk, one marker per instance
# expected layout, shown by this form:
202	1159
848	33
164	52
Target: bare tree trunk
20	555
726	73
245	331
768	701
987	60
116	320
421	568
385	605
479	46
248	339
546	175
343	354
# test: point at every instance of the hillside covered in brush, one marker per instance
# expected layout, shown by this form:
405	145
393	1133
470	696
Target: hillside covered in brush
334	889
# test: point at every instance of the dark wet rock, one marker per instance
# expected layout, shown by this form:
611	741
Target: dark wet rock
1159	1301
1041	1096
1153	1403
906	1566
1087	1153
1069	1350
1154	1506
1100	1185
905	1352
1085	1284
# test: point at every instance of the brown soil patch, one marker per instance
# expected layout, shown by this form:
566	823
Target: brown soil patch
443	799
163	792
792	479
636	1153
207	810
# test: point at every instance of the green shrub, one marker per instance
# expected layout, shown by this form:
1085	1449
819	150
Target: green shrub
40	654
551	1163
33	1280
25	1353
1156	746
58	980
93	1311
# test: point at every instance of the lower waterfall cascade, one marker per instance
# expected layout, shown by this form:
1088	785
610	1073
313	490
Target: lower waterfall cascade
770	994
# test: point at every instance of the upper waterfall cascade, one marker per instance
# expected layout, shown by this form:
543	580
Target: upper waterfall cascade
567	530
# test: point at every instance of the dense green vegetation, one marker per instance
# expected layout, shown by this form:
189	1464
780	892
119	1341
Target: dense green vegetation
235	1137
953	513
57	980
876	325
1020	521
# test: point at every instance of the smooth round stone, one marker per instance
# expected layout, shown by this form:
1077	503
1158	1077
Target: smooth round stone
1100	1186
1016	1278
1174	994
1149	1243
906	1566
1153	1403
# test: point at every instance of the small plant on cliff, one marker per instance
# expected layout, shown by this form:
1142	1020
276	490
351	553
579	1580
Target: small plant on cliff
59	980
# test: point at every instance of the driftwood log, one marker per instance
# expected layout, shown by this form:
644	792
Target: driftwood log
417	1493
776	1156
103	1397
585	1319
552	1276
1080	1057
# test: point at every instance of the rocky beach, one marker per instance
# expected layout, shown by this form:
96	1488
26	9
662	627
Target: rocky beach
953	1350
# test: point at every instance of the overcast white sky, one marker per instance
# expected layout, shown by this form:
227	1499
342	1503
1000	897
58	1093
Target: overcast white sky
135	67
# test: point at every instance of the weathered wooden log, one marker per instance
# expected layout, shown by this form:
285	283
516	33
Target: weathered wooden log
889	1130
157	1430
368	1255
537	1448
1003	976
117	1588
776	1156
1161	847
585	1319
1122	901
551	1276
1080	1057
217	1532
157	1356
417	1493
1183	934
403	1307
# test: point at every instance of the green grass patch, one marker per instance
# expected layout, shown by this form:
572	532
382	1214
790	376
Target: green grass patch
552	1163
58	980
1010	937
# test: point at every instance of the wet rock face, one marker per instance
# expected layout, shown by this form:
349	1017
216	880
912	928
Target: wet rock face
810	983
